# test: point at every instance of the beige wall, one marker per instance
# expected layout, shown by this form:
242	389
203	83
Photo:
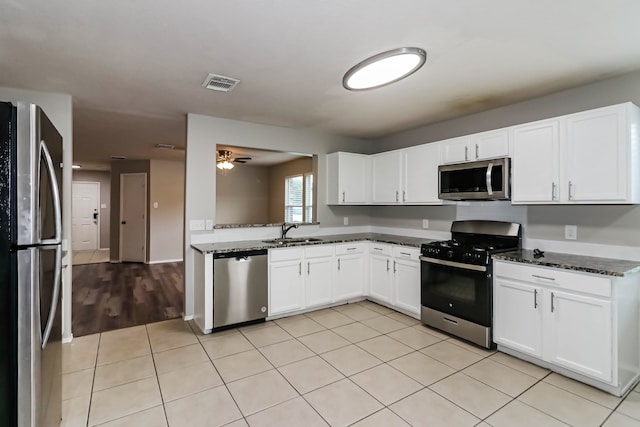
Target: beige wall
104	178
277	175
166	221
617	225
58	108
118	167
242	195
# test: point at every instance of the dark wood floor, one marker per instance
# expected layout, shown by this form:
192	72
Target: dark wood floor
113	296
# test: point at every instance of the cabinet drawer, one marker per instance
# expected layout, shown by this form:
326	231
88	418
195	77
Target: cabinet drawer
405	252
563	279
285	254
318	251
380	249
350	248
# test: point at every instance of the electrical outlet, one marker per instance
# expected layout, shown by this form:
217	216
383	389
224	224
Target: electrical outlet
571	232
346	220
155	205
425	223
209	224
196	224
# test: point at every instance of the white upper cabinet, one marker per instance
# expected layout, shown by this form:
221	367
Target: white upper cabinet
479	146
347	178
420	167
535	168
408	176
386	171
598	153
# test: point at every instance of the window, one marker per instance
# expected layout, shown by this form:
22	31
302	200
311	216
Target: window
298	204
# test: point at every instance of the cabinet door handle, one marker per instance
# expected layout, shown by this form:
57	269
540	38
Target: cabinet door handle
351	249
405	253
466	153
404	197
552	307
300	268
387	265
343	197
397	195
570	190
394	266
308	268
377	249
338	264
535	298
477	152
553	191
543	277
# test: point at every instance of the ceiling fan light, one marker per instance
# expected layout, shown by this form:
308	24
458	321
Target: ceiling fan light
224	165
384	68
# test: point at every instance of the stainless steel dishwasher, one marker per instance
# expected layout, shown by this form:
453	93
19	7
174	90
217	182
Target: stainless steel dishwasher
239	287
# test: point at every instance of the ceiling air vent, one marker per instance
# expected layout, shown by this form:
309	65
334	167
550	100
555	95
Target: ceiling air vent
220	83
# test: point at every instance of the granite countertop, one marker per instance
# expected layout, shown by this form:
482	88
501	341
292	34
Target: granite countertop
246	245
272	224
586	264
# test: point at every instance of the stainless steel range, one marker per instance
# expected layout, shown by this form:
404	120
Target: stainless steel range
456	278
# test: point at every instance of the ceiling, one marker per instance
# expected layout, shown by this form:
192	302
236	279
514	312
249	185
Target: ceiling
135	68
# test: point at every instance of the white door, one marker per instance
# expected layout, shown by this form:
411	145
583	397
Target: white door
421	174
84	217
286	287
517	316
319	277
352	173
381	278
535	169
578	334
597	156
407	284
133	217
386	173
350	277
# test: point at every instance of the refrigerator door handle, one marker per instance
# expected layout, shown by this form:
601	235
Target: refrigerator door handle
54	299
44	151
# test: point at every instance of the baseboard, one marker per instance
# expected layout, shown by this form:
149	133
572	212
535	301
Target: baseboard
166	260
67	338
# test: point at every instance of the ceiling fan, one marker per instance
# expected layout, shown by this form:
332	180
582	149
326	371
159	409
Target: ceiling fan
225	159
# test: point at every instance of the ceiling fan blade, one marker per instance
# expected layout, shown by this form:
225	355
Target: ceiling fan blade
239	161
243	158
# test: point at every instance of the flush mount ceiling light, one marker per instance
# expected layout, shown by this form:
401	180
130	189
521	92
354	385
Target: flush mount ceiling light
384	68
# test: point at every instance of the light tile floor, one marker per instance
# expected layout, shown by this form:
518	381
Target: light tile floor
358	364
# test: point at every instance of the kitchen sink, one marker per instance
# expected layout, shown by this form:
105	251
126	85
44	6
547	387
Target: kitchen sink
293	240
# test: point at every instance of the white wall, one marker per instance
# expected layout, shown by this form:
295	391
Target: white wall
167	220
204	133
611	225
59	110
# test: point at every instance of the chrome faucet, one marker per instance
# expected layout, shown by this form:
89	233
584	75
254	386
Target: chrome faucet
284	228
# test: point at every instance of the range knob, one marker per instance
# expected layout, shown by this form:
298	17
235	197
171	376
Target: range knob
450	254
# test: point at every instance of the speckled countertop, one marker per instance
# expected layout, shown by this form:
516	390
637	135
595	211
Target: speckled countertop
586	264
247	245
273	224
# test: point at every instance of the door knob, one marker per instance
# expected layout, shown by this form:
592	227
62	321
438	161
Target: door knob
95	215
123	222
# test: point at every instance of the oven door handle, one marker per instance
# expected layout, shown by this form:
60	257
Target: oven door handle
454	264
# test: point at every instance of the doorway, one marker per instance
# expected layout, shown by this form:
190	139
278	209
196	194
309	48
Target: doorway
133	217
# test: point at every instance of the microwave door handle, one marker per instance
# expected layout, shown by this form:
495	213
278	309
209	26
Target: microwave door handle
51	171
489	183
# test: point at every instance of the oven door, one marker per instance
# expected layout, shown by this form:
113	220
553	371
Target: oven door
461	290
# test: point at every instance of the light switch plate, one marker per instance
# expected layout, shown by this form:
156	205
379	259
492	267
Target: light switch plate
155	205
346	220
571	232
425	223
103	206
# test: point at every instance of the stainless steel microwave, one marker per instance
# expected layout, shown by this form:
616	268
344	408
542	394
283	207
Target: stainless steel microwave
483	180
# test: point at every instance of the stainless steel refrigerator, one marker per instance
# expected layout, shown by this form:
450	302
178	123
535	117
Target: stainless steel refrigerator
30	267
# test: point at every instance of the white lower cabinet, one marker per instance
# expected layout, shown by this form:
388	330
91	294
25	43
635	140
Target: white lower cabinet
380	272
577	323
286	282
394	276
406	273
350	278
318	271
